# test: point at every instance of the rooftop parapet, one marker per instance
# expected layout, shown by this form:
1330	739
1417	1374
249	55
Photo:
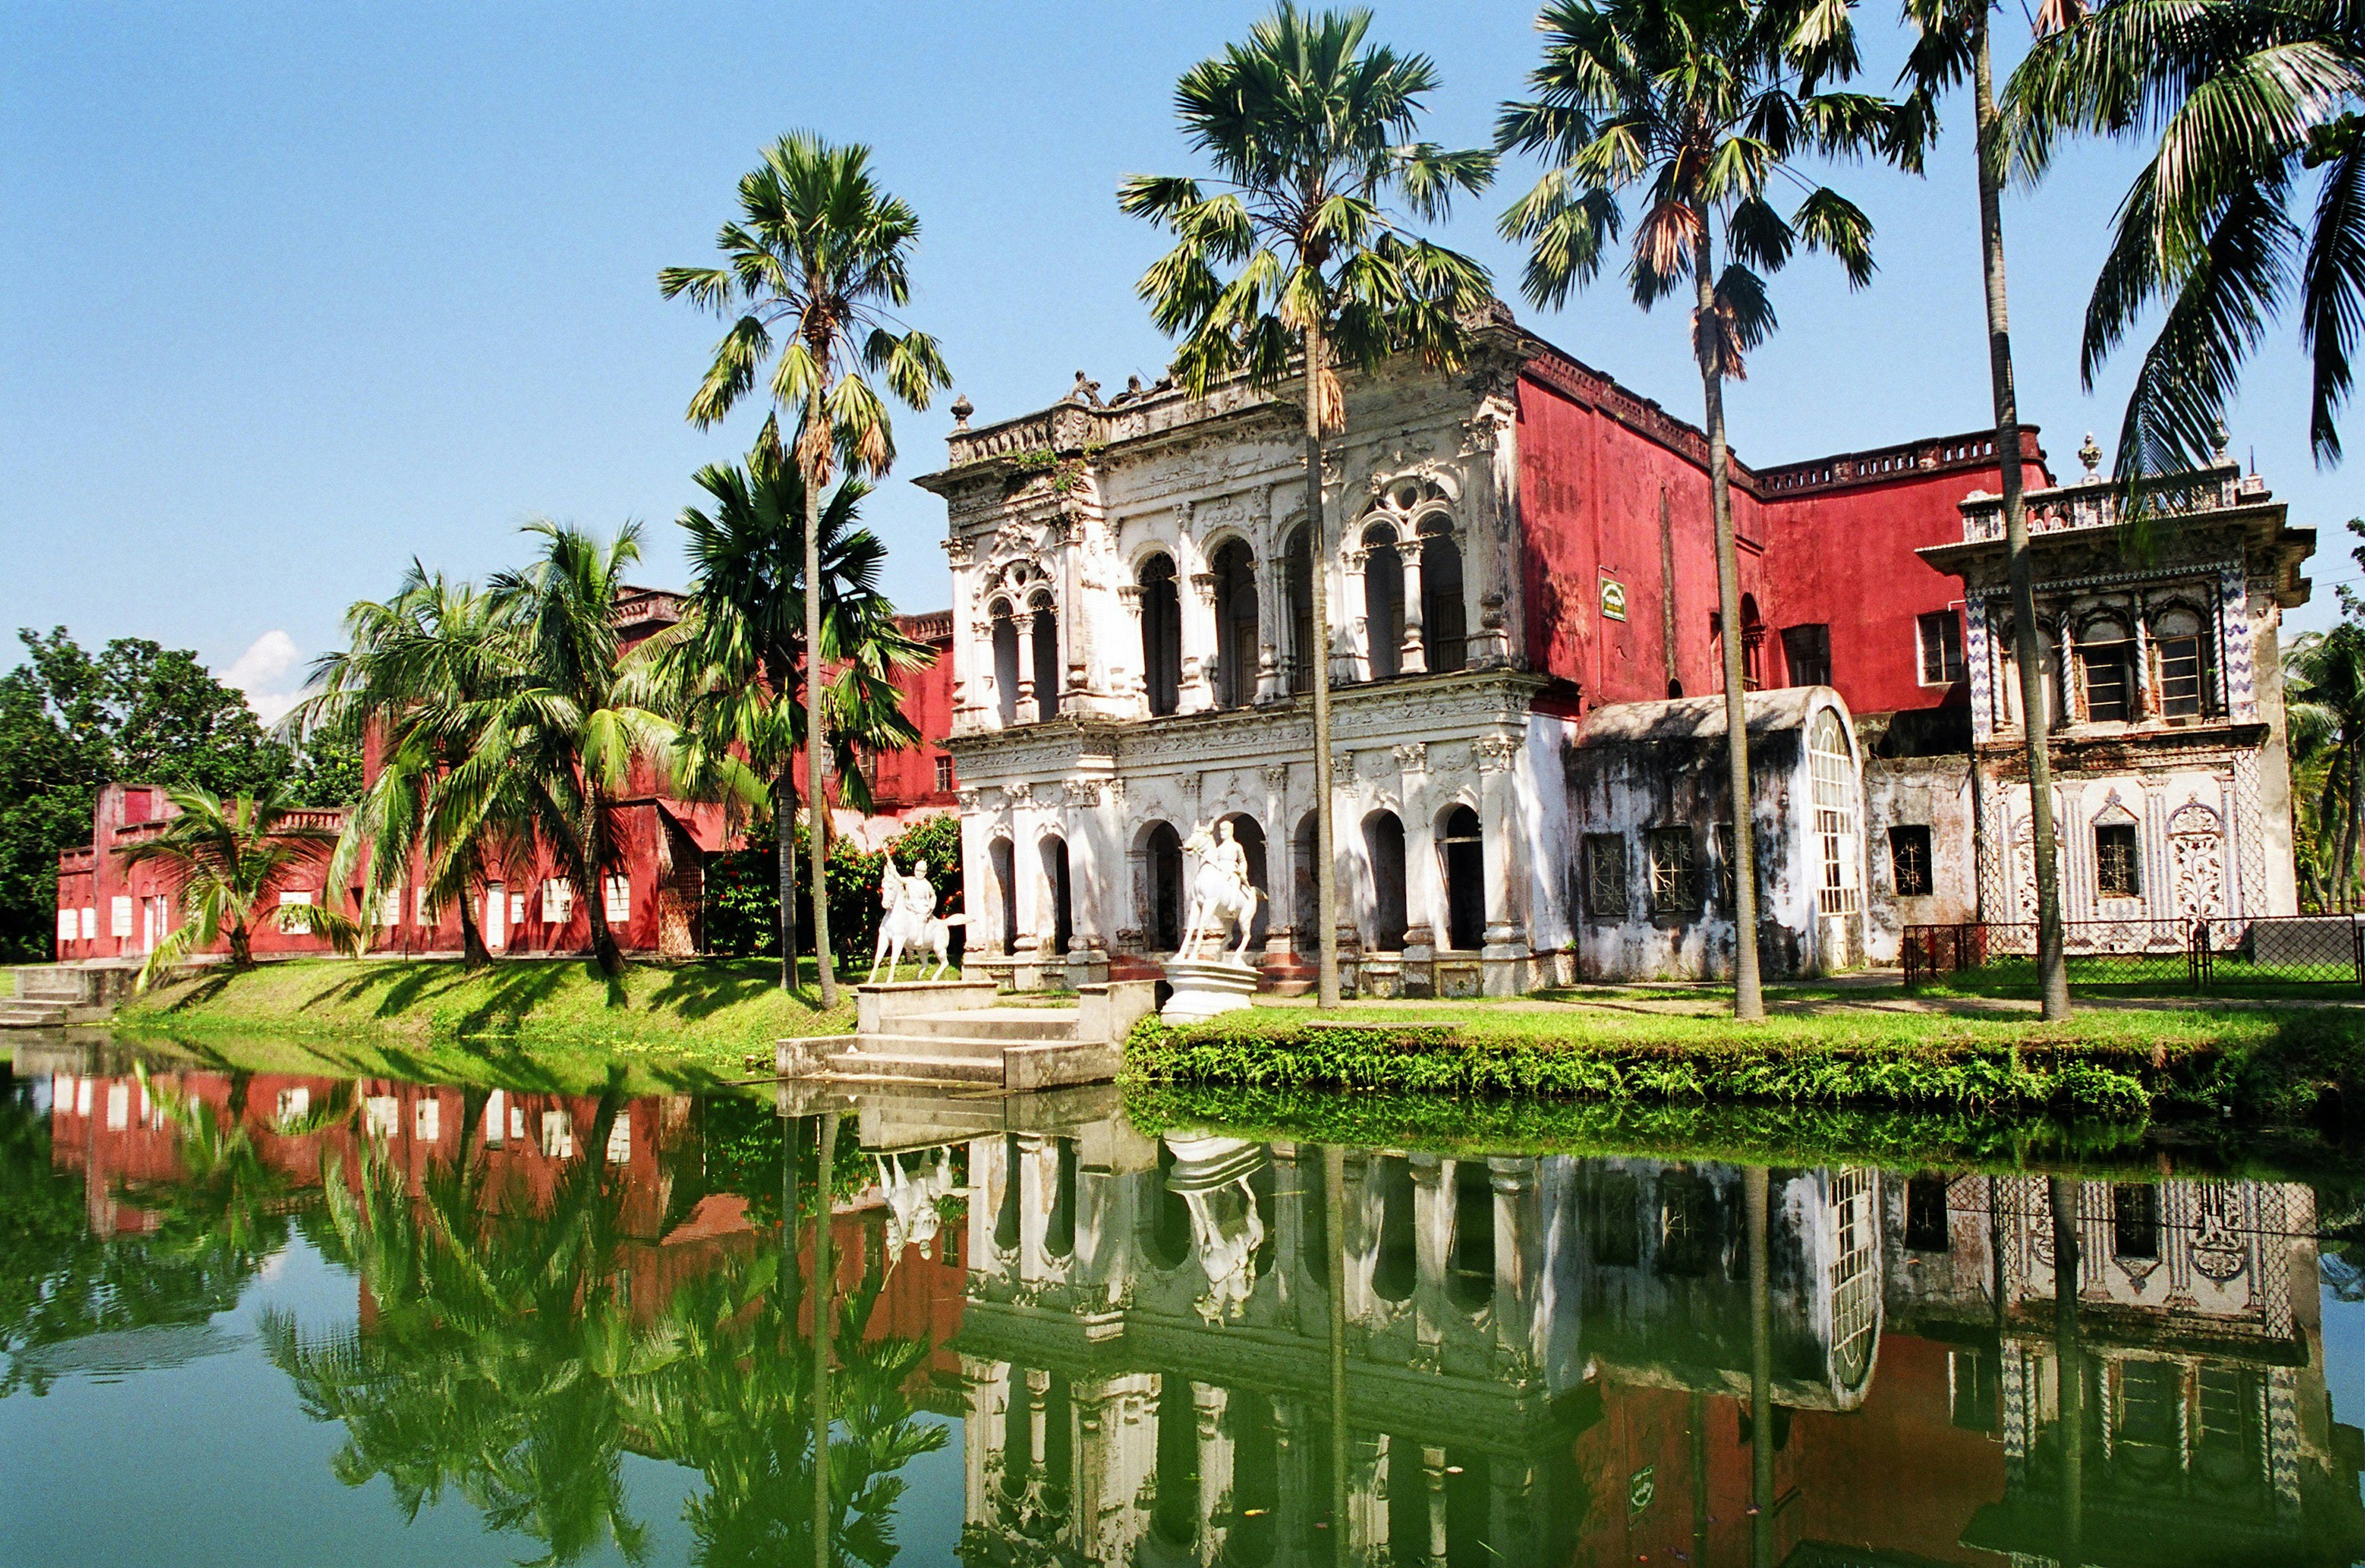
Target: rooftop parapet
2095	501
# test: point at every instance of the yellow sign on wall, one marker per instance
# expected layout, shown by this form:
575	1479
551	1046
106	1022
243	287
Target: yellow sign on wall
1613	600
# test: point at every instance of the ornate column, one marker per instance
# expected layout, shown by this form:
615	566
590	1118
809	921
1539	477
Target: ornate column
1280	868
1132	681
1517	1234
985	680
1075	626
1354	658
984	1397
1412	658
1424	888
1199	645
965	641
1025	884
1432	1471
1215	1467
1500	821
1432	1232
1022	620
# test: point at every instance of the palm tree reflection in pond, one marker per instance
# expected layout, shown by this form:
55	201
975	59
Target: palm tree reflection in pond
503	1358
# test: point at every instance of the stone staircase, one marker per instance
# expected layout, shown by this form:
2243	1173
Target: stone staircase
16	1013
951	1034
49	996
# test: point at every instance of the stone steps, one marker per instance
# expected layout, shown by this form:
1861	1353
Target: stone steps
950	1033
22	1014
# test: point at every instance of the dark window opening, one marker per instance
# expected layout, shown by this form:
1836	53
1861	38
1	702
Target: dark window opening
1046	661
1604	876
1397	1267
1975	1394
1162	922
2116	872
1942	647
1162	634
1611	1231
944	775
1463	852
1926	1215
1383	601
2109	676
2135	1220
2184	677
1236	625
1444	626
1808	651
1298	567
1469	1279
1688	1238
1055	882
1909	860
1384	837
1672	887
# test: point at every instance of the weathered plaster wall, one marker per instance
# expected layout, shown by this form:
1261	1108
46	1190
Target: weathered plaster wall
1934	792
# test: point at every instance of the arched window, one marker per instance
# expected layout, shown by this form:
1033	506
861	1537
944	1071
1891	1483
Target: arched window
1054	851
1162	634
1301	885
1297	565
1834	766
1463	851
1047	657
1470	1279
2106	671
1006	662
1002	859
1383	599
1236	625
1397	1269
2183	673
1060	1235
1444	625
1174	1517
1384	837
1753	640
1161	923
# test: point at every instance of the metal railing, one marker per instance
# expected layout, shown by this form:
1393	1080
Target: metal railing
2211	954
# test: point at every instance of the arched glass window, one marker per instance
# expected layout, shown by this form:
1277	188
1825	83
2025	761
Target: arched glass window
1461	847
1834	764
1383	600
1445	624
1047	658
1236	625
1162	634
1384	838
1298	567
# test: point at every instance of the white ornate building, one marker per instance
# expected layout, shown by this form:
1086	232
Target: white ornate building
1522	592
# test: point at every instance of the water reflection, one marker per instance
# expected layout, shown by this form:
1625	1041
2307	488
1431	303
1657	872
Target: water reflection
1194	1348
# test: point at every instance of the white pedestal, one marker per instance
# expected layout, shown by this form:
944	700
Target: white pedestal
1204	989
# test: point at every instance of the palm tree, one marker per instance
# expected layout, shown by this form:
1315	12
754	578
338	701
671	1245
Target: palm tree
2245	99
2326	709
228	862
557	738
416	662
819	254
1697	105
1310	133
739	652
1951	41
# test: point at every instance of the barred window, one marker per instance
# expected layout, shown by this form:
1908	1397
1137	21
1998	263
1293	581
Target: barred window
1604	876
1908	861
1670	871
2185	679
558	900
2104	659
944	775
2117	874
1941	634
1724	880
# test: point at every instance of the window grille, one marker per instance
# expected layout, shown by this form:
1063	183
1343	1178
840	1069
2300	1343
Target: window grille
1671	870
1724	880
1604	876
1808	651
1834	774
2109	676
2150	1397
2117	874
1942	647
944	775
2184	677
1973	1384
1908	861
1855	1279
2135	1220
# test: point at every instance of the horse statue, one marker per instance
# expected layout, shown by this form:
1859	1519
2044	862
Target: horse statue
1221	893
911	918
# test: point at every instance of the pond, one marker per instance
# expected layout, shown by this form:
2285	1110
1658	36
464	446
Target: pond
260	1318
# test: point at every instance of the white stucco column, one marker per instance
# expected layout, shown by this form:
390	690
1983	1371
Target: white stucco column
1131	676
1354	662
1198	598
1412	658
1022	620
965	647
1280	846
985	686
1215	1467
1500	825
1424	884
1026	873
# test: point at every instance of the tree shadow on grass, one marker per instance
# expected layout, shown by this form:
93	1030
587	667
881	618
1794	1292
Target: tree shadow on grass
696	991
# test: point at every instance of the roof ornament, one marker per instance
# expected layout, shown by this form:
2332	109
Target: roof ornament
962	409
2091	455
2220	454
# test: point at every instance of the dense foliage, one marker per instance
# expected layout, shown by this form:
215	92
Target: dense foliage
71	721
743	906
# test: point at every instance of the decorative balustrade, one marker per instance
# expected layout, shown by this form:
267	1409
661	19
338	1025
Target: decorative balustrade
1881	463
2096	502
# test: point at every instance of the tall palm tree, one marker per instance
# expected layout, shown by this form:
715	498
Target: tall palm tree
2248	101
1310	132
228	862
740	651
819	255
2325	710
414	664
1694	107
1950	42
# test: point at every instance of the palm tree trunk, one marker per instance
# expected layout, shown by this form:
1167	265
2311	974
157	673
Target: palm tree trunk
2343	881
825	1279
1755	1205
241	947
1326	882
1334	1276
816	748
2052	967
474	954
784	823
2070	1363
604	951
1748	997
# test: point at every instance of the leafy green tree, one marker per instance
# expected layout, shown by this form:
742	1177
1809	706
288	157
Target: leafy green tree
1310	133
2252	103
1950	43
228	862
740	651
1691	109
820	255
2325	688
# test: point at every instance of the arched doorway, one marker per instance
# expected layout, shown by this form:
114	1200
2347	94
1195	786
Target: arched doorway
1002	857
1445	624
1005	663
1383	600
1462	850
1397	1270
1303	916
1047	657
1236	625
1297	568
1161	923
1054	850
1162	634
1384	839
1250	838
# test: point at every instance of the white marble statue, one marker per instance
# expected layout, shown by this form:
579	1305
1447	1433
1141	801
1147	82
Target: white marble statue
911	919
1221	892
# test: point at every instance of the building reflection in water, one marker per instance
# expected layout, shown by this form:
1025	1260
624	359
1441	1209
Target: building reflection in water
1198	1348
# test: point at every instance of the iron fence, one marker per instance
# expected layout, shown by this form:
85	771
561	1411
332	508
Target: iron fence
2214	953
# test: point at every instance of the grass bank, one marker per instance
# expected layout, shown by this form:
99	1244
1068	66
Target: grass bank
708	1016
2287	1065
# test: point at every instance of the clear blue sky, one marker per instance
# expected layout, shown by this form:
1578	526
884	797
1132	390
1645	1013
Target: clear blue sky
296	293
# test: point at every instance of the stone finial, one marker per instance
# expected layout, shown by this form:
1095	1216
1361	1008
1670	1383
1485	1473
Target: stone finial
962	409
2220	443
2091	455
